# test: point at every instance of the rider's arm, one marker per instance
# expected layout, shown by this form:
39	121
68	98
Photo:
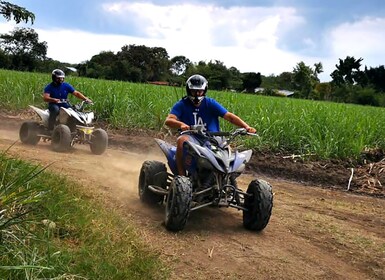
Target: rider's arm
173	122
81	96
234	119
47	98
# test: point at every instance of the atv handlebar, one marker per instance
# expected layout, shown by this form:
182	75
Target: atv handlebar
80	106
200	129
241	131
219	133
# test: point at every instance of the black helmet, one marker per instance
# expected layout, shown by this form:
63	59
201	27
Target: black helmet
196	82
56	74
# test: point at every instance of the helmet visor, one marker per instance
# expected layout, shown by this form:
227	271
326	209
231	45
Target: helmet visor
58	73
60	76
197	92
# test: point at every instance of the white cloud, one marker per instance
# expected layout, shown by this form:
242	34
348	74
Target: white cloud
364	38
246	38
78	46
201	23
251	49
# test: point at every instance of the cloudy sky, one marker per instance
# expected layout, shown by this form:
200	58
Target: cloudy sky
263	36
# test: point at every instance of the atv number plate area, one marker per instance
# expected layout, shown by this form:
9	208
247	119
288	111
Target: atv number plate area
87	130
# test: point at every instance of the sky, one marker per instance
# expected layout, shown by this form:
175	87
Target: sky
263	36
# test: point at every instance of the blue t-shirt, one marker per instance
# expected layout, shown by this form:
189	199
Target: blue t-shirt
59	91
206	113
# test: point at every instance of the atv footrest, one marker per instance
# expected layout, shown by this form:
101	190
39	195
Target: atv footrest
44	136
200	206
157	189
202	191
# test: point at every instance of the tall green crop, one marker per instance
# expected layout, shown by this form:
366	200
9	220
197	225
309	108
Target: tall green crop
328	130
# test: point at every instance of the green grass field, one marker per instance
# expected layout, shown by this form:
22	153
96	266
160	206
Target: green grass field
50	228
328	130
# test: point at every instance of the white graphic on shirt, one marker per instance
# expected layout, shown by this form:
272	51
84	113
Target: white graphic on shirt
198	120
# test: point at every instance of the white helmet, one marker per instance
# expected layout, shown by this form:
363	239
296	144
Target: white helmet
196	82
56	74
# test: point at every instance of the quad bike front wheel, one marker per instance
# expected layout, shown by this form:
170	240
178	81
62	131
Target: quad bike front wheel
61	138
259	204
28	133
99	141
152	173
178	203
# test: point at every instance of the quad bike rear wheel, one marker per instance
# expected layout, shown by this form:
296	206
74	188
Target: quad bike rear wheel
61	138
178	203
28	132
259	205
152	173
99	141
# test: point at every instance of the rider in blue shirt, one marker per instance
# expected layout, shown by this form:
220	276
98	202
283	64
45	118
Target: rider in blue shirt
195	109
56	94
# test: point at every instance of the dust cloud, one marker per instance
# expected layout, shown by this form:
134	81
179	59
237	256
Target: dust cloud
9	134
115	169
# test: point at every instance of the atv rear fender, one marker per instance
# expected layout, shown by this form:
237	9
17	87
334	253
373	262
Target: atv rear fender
43	114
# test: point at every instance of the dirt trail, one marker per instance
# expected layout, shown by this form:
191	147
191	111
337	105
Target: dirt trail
314	233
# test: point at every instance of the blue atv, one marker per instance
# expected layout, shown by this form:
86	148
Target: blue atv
212	168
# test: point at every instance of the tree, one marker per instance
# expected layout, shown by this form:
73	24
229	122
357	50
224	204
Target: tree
376	78
235	80
103	63
159	64
200	68
365	96
251	81
105	58
24	48
218	75
270	81
153	63
347	72
305	79
324	91
5	60
137	57
284	80
18	13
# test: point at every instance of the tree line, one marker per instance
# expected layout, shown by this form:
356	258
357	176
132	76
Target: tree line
21	50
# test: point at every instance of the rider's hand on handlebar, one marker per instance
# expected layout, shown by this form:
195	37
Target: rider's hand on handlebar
88	101
251	129
184	127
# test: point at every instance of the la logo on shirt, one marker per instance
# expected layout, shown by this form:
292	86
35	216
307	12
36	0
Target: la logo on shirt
198	120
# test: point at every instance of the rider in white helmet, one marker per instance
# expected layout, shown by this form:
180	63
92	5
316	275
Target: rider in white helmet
197	109
56	94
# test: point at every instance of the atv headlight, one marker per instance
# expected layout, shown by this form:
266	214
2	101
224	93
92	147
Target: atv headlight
87	130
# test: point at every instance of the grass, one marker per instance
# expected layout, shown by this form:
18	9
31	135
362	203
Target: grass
49	229
292	126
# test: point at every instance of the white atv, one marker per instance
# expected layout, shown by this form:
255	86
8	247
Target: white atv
72	125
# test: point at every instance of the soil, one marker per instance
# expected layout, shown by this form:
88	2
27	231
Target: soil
328	219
